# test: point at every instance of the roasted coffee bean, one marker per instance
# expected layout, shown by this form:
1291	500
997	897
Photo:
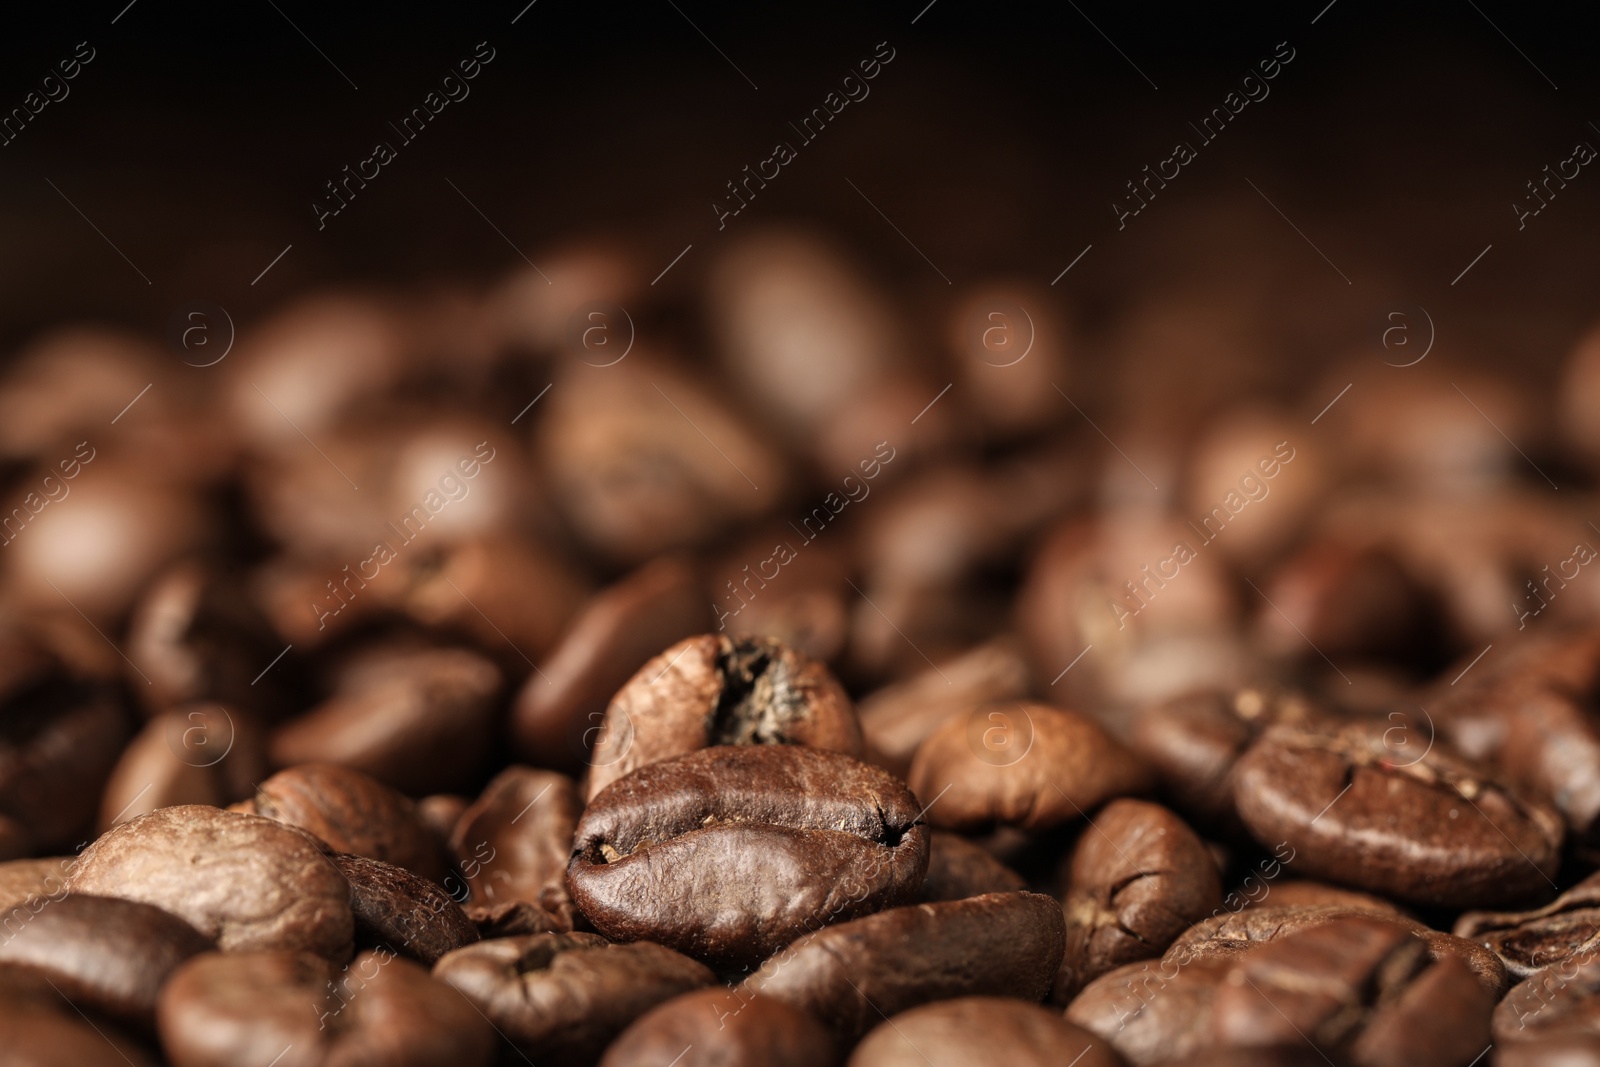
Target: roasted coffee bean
193	754
561	997
999	944
1527	941
1024	765
104	954
1231	934
774	584
958	869
1137	878
242	880
424	728
558	713
1149	1012
729	853
897	719
715	690
1384	807
227	1009
41	1029
1194	741
716	1027
513	844
24	880
953	1033
1302	892
439	813
350	812
1551	1017
1359	989
59	741
395	909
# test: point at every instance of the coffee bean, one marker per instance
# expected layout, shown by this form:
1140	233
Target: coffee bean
58	743
15	841
775	584
424	728
714	690
558	713
245	881
977	1030
561	997
1151	1011
852	974
1137	878
439	812
226	1009
350	812
729	853
395	909
958	869
104	954
1024	765
512	845
1527	941
42	1029
194	754
23	880
1551	1016
1376	806
1303	892
1355	988
715	1027
1349	600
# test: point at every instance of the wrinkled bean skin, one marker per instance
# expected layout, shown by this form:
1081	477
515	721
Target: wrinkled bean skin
730	853
715	1027
1551	1017
512	844
977	1030
560	997
1528	941
999	944
396	909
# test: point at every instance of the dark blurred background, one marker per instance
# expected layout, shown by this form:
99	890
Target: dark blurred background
1396	142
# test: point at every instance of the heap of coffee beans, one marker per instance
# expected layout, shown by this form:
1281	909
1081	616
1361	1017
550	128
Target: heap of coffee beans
740	673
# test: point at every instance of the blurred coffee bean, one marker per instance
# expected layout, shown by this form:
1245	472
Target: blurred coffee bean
1357	989
1011	343
560	708
424	728
802	603
15	841
1194	740
1025	765
1550	1017
850	975
560	998
977	1030
58	743
513	843
1419	822
42	1029
1566	928
898	718
247	882
439	813
729	853
104	954
350	812
1254	479
31	881
1579	395
397	910
631	464
1136	879
194	754
1149	1012
715	690
534	309
716	1027
232	1008
958	869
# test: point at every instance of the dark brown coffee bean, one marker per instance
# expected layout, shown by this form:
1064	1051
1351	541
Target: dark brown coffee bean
439	813
715	690
900	717
193	754
104	954
1349	600
350	812
1149	1011
1385	807
1024	765
1194	741
958	869
395	909
1527	941
59	741
729	853
15	841
779	585
516	918
40	1028
558	713
1552	1016
1232	934
715	1027
1356	988
1137	878
1000	944
968	1030
227	1009
247	882
424	728
1303	892
513	844
560	998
